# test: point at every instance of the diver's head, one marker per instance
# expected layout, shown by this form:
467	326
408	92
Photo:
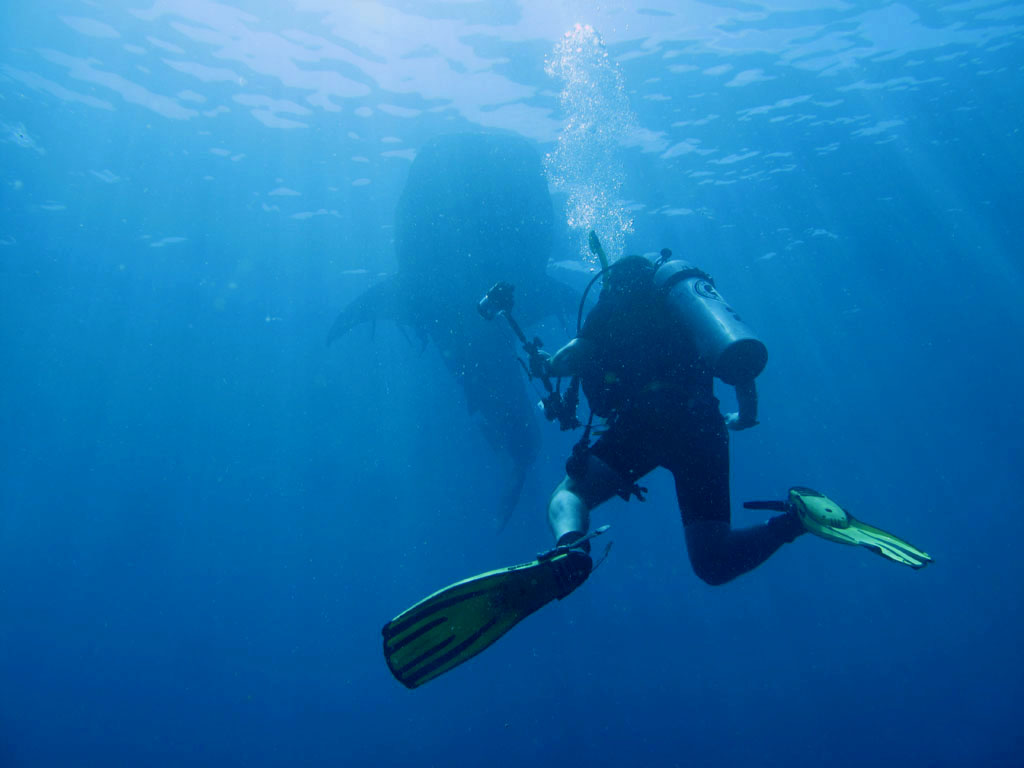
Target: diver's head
629	276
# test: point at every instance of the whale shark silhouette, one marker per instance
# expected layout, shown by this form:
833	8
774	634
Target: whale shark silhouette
475	210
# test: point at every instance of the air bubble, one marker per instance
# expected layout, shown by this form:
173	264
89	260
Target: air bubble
586	165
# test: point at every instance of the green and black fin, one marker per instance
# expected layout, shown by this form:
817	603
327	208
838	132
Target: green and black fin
456	623
823	517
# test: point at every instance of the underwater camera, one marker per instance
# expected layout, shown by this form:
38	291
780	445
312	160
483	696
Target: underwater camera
497	300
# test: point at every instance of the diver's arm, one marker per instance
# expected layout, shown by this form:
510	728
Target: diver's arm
746	397
571	359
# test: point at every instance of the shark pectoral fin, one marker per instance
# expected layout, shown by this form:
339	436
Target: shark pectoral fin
376	302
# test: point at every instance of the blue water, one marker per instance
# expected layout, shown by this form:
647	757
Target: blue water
206	514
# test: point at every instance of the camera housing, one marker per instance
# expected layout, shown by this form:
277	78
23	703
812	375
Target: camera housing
501	298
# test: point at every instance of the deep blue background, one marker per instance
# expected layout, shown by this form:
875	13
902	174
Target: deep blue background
206	515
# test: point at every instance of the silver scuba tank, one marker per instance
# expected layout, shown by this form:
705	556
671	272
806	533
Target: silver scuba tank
731	350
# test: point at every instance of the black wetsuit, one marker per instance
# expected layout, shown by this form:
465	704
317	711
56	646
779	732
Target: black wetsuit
647	379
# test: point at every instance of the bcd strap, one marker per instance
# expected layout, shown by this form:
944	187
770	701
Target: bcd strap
576	464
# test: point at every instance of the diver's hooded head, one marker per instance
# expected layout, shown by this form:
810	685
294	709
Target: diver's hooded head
630	277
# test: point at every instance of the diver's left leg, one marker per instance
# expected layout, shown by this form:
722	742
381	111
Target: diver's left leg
574	497
718	553
569	518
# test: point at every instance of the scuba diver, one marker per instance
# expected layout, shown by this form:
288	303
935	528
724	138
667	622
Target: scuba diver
646	358
655	390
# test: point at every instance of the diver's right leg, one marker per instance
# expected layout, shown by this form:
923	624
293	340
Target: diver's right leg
574	497
718	552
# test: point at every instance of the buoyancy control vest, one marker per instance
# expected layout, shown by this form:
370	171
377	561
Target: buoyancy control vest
660	334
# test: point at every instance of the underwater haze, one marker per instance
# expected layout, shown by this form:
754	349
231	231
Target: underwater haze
207	513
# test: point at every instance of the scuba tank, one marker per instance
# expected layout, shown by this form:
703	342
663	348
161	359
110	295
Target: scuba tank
731	350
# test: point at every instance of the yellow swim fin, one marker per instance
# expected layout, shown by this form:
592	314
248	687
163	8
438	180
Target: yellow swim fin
456	623
821	516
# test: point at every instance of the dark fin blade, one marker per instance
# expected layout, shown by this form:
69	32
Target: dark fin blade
458	622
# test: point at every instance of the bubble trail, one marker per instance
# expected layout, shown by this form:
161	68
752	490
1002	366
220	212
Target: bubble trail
586	165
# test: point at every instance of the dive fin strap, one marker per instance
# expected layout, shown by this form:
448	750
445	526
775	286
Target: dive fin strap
577	544
773	506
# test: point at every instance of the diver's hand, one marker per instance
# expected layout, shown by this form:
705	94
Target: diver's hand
540	365
735	423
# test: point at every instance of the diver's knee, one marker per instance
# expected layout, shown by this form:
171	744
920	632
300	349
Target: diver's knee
704	544
567	510
560	497
562	487
710	572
